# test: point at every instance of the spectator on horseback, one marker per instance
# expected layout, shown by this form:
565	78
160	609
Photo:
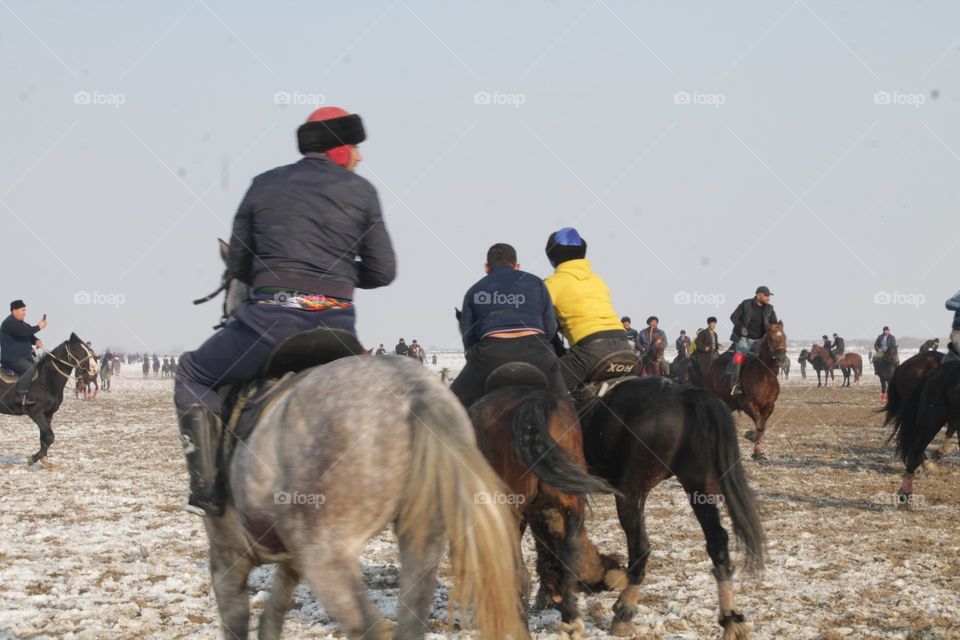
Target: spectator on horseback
401	349
706	340
507	317
416	352
584	309
632	335
930	345
650	334
953	349
683	344
306	236
17	340
380	351
750	320
885	347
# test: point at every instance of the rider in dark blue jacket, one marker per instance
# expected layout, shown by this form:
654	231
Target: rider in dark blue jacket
17	339
507	316
304	238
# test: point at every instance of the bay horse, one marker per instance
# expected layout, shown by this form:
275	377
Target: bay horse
53	370
642	432
822	360
531	437
850	363
933	403
652	360
758	382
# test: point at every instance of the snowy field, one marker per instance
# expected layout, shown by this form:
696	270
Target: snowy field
97	546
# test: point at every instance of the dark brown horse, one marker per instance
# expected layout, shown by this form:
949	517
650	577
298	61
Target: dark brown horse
652	360
532	439
933	403
758	381
884	369
906	378
822	360
645	430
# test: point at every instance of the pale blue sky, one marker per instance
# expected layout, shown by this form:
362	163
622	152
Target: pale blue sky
803	178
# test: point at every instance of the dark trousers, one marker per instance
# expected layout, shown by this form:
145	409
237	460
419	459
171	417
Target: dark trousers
582	357
490	353
238	352
24	369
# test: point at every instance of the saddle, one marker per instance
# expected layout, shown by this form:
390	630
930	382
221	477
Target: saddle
611	371
243	405
10	376
515	374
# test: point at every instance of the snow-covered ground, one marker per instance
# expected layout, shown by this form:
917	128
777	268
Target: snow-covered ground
97	546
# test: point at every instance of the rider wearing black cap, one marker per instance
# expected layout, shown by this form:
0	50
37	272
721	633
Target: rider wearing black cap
17	339
750	320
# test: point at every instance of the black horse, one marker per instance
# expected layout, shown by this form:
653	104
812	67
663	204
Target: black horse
933	403
645	430
52	372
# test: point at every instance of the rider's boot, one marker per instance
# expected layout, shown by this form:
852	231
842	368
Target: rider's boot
23	388
735	378
200	434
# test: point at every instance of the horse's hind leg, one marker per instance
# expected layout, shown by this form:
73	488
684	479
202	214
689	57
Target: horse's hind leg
630	512
718	548
271	620
418	581
334	575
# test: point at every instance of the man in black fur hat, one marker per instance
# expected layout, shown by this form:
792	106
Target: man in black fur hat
305	237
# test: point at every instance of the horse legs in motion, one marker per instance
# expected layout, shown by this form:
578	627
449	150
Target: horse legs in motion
532	439
648	430
374	441
931	405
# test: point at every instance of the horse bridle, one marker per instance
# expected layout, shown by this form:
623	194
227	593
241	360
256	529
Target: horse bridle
73	363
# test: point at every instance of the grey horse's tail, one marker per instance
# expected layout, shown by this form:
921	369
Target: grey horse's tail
452	479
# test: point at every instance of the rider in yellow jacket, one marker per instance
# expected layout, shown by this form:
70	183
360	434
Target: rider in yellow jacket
584	309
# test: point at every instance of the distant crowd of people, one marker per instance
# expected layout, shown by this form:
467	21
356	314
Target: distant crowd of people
413	350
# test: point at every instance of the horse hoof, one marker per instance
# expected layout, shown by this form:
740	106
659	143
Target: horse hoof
735	631
572	630
759	456
622	629
751	435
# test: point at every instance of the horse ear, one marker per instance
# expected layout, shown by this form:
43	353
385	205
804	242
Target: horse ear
458	313
74	337
224	250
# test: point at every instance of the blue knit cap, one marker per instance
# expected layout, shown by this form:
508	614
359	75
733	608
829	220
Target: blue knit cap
568	237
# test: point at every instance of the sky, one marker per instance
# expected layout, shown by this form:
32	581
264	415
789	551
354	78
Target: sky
702	149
